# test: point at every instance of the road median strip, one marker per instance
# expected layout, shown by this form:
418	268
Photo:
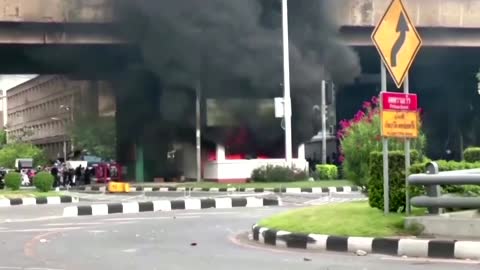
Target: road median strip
166	205
37	201
288	190
426	248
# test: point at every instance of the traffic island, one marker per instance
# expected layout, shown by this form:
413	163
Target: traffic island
355	228
315	187
37	200
166	205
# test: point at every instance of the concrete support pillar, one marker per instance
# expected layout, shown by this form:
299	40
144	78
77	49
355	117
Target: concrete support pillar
301	151
139	164
220	152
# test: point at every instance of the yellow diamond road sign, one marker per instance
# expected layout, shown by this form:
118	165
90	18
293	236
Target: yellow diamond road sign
397	41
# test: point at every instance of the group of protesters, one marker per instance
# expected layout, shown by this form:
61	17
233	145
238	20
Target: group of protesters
68	177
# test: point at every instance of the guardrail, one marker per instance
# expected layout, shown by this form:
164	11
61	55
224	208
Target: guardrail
432	180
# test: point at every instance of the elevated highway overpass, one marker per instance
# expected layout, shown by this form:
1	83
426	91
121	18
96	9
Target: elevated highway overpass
452	23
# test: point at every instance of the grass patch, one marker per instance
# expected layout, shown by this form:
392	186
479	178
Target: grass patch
344	219
10	194
305	184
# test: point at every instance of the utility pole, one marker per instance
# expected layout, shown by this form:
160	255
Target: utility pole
286	84
198	123
324	123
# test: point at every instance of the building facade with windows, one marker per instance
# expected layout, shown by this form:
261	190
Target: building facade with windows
42	109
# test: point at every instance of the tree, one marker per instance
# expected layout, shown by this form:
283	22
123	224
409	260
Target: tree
361	136
3	137
10	152
97	135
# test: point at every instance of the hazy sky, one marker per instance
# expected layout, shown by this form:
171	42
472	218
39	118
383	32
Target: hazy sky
9	81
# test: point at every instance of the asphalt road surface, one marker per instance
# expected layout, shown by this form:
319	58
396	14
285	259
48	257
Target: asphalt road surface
201	239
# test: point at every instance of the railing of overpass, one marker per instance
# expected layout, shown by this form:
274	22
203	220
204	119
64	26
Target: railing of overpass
432	181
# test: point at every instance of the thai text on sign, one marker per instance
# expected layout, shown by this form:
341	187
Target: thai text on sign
399	101
400	124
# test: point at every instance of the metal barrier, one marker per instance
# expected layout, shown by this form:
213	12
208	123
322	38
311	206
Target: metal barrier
432	180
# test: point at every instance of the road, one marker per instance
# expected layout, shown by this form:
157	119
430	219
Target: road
201	239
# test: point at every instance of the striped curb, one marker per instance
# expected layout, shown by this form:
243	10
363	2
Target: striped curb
298	190
166	205
445	249
37	201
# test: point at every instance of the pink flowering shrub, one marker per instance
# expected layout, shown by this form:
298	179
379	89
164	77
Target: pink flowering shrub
360	136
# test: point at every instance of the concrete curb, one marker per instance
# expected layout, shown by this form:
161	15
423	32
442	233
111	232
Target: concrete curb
166	205
38	201
297	190
446	249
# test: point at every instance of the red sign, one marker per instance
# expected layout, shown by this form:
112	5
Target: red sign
399	101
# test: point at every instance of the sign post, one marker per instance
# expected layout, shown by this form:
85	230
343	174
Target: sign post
397	42
406	90
386	188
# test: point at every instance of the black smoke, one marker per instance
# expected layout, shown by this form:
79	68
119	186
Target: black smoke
234	48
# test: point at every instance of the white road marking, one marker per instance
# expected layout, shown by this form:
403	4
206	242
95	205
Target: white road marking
201	213
31	219
131	250
96	231
43	230
430	260
149	218
72	224
38	268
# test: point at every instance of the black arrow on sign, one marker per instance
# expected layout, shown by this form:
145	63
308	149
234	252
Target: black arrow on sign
402	27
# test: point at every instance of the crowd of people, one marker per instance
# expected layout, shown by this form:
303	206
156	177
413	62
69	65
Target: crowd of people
67	177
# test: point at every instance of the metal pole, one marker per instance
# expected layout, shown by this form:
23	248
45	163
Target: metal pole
286	84
72	144
324	124
386	204
5	108
198	132
406	90
65	150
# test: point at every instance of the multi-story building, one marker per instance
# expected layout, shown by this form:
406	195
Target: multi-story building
41	110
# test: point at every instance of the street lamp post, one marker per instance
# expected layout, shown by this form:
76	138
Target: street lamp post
64	141
286	84
68	109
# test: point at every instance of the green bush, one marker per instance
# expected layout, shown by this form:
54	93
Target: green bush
270	173
360	136
43	181
13	180
396	169
326	172
472	154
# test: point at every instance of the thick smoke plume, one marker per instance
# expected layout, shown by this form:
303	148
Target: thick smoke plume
234	48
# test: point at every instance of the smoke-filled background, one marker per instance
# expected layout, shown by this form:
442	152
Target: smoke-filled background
233	48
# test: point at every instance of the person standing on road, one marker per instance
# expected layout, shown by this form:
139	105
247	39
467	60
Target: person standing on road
54	172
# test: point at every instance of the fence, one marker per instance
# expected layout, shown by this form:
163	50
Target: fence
433	179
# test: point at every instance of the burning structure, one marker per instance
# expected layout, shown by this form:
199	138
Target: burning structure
232	50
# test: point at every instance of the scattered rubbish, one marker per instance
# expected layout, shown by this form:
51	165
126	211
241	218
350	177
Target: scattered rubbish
43	240
361	252
193	244
307	259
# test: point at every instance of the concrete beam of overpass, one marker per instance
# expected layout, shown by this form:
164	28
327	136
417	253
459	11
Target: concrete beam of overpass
34	33
57	11
424	13
432	37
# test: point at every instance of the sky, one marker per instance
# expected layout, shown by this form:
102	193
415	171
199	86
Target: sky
9	81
